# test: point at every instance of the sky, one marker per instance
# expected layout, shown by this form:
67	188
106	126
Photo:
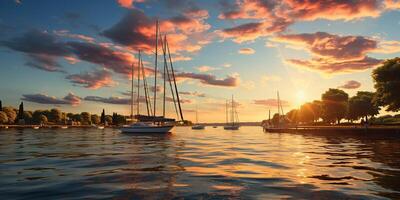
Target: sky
77	55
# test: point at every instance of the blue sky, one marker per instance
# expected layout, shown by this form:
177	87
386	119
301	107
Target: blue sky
209	35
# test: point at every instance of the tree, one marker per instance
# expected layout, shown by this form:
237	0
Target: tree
362	105
85	118
306	113
27	116
21	111
108	119
95	119
55	115
36	116
293	116
317	109
11	114
1	106
43	119
103	117
387	84
334	104
275	120
3	118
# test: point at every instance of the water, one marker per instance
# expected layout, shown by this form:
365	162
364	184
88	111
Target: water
196	164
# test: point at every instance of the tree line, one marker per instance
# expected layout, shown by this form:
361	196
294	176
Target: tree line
54	116
336	105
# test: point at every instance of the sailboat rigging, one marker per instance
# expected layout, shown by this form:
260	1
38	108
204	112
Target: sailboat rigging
233	116
151	123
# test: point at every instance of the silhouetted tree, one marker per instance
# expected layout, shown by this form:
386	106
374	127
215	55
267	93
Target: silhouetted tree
293	116
27	116
334	102
55	115
20	112
306	113
1	106
11	114
103	117
43	119
275	119
108	119
85	118
362	105
3	118
387	84
95	119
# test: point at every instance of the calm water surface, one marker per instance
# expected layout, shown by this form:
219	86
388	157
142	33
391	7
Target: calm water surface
202	164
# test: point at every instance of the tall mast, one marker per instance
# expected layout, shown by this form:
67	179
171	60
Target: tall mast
164	76
138	83
131	91
155	71
226	111
232	115
146	92
168	75
173	77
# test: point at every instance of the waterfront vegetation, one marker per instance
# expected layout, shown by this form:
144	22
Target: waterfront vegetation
335	105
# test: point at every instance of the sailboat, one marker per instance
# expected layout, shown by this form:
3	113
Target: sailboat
231	125
151	123
197	126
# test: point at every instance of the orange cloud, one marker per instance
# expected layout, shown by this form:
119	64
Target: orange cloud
247	51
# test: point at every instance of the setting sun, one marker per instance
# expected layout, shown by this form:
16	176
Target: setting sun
300	97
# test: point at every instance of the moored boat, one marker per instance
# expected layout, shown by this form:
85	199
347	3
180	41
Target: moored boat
233	116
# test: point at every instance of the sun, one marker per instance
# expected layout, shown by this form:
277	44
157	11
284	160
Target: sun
300	97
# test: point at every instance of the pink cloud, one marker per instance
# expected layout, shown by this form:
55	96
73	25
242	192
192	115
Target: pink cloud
247	51
92	80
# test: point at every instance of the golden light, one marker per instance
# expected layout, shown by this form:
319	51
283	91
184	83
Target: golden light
300	97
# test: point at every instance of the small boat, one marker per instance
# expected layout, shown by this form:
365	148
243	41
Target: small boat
35	127
234	117
6	127
100	127
197	126
141	127
64	127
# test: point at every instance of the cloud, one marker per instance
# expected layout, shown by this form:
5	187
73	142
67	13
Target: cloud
70	99
41	47
329	67
68	34
247	51
207	79
335	53
109	100
136	30
332	46
351	85
269	17
271	102
183	101
92	80
128	3
117	61
205	68
196	94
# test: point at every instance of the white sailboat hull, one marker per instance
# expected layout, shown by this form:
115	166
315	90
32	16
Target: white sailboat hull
147	129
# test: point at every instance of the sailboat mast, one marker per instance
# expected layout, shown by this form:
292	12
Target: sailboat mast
146	95
232	115
168	75
173	77
132	92
138	84
155	71
164	76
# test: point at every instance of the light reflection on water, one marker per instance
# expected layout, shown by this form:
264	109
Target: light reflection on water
195	164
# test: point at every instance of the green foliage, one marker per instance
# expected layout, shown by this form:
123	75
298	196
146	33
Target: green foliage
108	119
95	119
85	118
387	84
55	115
362	105
27	116
334	104
11	114
3	118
